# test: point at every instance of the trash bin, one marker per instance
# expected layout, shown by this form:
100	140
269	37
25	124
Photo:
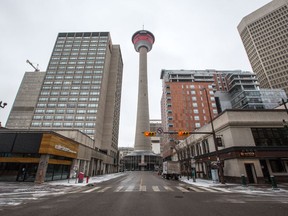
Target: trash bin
80	177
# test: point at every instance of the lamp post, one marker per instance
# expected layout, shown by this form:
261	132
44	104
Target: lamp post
4	104
215	140
284	103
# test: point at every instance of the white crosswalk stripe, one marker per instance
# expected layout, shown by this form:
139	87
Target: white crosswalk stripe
130	188
222	190
155	188
195	189
142	188
183	189
168	188
93	189
119	188
207	189
104	189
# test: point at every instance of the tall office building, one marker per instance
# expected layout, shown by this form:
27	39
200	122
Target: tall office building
81	89
264	34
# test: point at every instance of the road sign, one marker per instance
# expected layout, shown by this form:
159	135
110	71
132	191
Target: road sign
159	130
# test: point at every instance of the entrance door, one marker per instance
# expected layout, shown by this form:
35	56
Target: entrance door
265	170
250	171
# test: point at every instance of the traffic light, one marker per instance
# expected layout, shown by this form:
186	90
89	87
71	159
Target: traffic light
183	133
149	133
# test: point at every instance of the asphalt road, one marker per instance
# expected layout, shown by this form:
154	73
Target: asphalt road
147	194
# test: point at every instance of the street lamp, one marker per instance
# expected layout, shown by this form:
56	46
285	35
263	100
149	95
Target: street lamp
215	140
4	104
284	103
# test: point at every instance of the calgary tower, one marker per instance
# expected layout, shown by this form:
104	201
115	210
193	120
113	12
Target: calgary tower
143	41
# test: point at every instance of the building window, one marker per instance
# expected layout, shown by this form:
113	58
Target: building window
277	166
36	124
270	136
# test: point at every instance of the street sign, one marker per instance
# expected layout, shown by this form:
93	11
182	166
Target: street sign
159	130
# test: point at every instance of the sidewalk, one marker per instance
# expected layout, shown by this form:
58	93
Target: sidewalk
257	188
91	180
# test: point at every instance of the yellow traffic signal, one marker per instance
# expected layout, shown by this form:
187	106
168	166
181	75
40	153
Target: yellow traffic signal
183	133
149	133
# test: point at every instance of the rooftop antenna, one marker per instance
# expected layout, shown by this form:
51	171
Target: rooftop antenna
36	68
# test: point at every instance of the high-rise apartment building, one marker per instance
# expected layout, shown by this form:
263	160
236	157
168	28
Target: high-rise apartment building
81	89
264	34
185	106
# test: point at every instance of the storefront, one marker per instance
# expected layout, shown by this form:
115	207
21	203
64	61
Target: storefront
35	156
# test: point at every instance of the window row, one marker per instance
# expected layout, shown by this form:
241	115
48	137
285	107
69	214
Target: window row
72	82
83	87
64	99
62	117
63	124
62	72
68	105
98	52
73	77
75	67
63	111
63	93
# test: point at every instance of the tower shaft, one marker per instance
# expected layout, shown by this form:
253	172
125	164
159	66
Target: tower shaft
142	124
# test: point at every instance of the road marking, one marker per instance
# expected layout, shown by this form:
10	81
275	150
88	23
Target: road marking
119	188
130	188
155	188
183	189
142	188
104	189
222	190
90	190
168	188
195	189
208	189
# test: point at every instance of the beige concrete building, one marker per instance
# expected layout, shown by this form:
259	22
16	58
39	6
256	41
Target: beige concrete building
264	34
80	90
250	142
25	102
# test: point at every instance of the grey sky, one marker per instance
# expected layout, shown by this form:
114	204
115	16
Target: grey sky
190	34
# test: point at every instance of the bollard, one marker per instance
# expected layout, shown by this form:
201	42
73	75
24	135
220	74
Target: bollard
243	180
274	183
87	179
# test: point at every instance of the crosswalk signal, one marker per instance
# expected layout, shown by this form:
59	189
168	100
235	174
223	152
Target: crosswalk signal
149	133
183	133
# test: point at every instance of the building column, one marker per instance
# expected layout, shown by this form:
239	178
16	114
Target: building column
42	169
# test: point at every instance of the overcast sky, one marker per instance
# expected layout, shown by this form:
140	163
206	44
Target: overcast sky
189	34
